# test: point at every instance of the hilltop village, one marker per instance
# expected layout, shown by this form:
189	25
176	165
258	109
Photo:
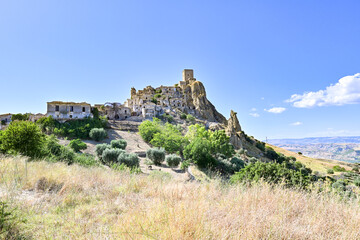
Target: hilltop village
186	97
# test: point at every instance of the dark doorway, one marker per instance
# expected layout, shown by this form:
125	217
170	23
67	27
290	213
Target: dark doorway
117	117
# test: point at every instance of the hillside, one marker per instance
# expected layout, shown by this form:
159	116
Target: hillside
316	164
73	202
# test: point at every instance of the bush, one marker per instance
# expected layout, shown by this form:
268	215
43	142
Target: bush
98	134
148	129
339	185
111	155
86	160
100	148
184	165
129	159
330	171
190	118
337	168
76	128
77	145
121	144
169	138
168	118
20	117
199	152
10	223
273	173
23	137
173	160
183	116
156	155
357	181
230	165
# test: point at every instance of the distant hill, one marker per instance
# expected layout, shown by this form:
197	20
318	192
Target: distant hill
345	149
314	140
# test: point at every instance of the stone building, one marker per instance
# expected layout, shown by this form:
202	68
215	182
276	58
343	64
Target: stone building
68	110
5	119
116	111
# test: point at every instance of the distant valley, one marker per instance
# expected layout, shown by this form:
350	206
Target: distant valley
337	148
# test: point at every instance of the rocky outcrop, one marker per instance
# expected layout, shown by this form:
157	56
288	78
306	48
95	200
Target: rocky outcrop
233	130
204	108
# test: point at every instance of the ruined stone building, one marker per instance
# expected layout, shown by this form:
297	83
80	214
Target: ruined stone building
68	110
5	119
115	111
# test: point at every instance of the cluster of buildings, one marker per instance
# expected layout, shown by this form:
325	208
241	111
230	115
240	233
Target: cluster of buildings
143	104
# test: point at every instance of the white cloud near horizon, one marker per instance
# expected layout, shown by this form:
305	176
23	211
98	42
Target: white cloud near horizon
296	123
345	91
253	109
275	110
254	114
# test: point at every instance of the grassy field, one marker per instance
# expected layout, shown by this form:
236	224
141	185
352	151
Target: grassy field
316	164
72	202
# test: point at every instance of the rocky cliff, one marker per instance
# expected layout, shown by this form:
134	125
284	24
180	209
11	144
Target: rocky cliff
203	106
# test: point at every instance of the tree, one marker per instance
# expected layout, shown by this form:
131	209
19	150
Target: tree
77	145
148	129
23	137
98	134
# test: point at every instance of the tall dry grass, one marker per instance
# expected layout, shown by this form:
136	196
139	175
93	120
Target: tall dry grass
72	202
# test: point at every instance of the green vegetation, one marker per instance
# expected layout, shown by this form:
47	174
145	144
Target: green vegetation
173	160
337	168
98	134
183	116
77	145
10	222
156	155
111	155
129	159
190	118
77	128
22	137
285	173
165	135
20	117
330	171
120	143
100	148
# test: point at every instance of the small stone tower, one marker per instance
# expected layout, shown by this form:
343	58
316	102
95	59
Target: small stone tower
133	92
188	74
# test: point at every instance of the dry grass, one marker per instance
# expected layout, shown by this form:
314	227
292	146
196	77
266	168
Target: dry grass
316	164
94	203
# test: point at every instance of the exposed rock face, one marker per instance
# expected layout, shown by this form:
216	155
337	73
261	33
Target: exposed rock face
203	106
233	130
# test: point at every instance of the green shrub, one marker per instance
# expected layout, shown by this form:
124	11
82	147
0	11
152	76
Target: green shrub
190	118
168	118
270	153
228	165
260	145
77	145
156	155
357	181
169	138
184	165
148	129
273	173
76	128
86	160
199	152
337	168
100	148
10	223
173	160
110	156
23	137
129	159
183	116
20	117
339	185
330	171
98	134
120	143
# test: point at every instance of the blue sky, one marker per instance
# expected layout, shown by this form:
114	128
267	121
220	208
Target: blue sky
276	63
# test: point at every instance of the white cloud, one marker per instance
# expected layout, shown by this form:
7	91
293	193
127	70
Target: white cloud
346	91
253	109
296	123
254	114
275	110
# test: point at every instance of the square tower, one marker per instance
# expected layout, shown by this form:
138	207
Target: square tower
188	74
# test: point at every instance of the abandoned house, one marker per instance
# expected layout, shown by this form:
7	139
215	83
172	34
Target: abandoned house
116	111
68	110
